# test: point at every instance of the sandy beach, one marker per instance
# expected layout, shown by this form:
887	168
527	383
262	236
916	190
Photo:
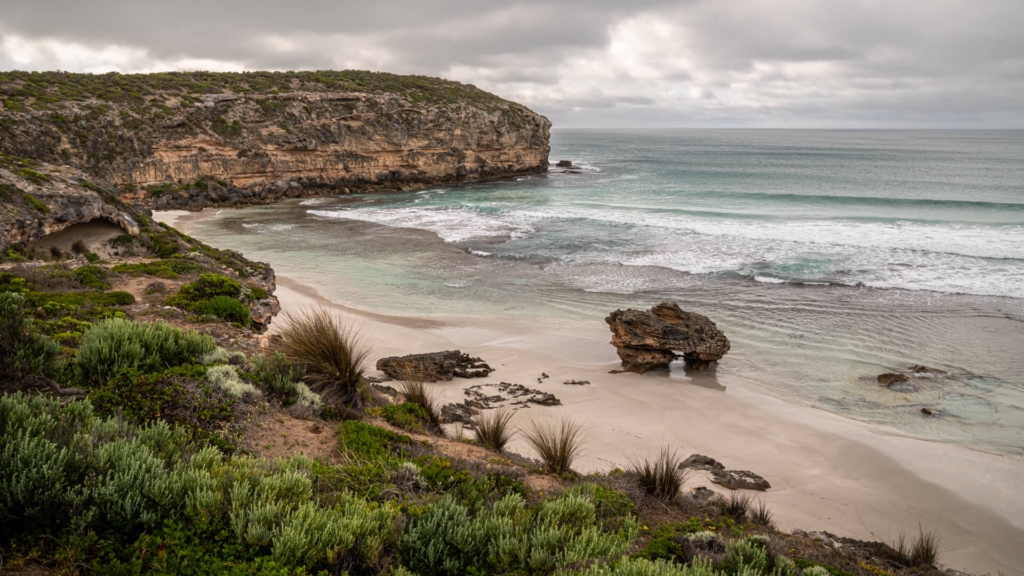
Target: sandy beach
827	472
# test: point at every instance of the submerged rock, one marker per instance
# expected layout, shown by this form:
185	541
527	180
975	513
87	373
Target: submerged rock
564	164
890	378
434	366
654	338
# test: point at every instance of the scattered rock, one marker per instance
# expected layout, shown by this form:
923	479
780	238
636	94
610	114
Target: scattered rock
544	399
739	480
891	378
564	164
701	462
434	366
654	338
451	413
702	494
926	412
918	369
544	375
577	382
481	400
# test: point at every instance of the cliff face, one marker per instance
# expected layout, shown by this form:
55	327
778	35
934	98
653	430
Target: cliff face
164	145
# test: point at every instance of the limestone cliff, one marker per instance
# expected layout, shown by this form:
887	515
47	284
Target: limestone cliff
189	140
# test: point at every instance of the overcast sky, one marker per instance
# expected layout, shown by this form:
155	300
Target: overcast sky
780	63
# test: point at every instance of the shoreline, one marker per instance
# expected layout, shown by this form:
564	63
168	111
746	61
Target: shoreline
827	472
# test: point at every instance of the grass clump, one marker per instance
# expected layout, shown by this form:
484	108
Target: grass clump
330	353
494	429
922	552
737	505
557	445
117	344
660	476
761	515
416	392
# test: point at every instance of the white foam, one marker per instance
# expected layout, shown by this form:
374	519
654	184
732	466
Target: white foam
769	280
263	228
451	224
478	252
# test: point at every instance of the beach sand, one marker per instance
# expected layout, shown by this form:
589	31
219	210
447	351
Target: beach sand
827	472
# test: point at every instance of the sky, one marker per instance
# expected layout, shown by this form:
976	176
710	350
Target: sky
585	63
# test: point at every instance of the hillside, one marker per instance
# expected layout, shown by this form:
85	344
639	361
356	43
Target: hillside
186	140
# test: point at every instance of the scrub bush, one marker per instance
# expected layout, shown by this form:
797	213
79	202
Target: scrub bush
227	379
116	344
23	352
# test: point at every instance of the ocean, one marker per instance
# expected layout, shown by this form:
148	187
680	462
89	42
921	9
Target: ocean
827	257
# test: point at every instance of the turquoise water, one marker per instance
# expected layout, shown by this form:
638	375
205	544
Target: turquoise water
827	257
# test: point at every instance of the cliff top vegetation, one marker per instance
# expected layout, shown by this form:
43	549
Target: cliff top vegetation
40	91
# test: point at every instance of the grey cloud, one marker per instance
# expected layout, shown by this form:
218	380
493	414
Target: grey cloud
598	62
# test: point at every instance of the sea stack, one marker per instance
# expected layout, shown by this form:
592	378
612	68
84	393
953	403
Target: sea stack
654	338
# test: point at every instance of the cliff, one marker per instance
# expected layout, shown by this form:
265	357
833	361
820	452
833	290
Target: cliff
187	140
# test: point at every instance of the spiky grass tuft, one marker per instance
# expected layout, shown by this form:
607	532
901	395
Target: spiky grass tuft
415	390
737	505
558	445
332	354
924	551
494	429
659	476
761	515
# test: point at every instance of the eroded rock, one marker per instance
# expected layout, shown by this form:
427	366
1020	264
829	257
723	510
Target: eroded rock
654	338
739	480
890	378
434	366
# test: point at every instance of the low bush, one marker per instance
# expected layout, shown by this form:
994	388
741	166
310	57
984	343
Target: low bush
660	476
557	445
363	442
227	379
276	376
109	491
116	344
212	295
761	515
92	277
510	537
330	353
494	429
170	268
407	415
210	285
224	307
23	351
179	396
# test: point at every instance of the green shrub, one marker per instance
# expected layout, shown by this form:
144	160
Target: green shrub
641	567
227	308
275	375
365	442
179	396
170	268
407	415
257	292
92	257
23	352
116	344
209	285
92	277
509	537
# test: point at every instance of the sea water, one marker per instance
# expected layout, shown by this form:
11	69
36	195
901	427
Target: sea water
827	257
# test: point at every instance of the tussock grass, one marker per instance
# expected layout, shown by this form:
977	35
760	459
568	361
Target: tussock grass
659	476
494	429
558	445
760	514
331	353
924	551
415	390
737	505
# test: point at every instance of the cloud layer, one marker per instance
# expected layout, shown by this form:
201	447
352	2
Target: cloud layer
807	63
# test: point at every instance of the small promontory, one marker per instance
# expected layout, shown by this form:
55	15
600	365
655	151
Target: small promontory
195	139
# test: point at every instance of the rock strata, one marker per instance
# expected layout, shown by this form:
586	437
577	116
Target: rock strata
654	338
434	366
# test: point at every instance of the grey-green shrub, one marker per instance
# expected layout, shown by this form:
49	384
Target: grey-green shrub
510	537
112	345
23	352
641	567
227	379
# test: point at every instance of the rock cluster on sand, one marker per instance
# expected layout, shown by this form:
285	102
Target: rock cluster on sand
434	366
654	338
731	479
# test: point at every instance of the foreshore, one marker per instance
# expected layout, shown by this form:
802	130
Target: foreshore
827	472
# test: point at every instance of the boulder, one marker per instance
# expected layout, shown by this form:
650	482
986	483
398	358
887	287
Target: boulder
739	480
434	366
654	338
459	412
701	462
702	494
